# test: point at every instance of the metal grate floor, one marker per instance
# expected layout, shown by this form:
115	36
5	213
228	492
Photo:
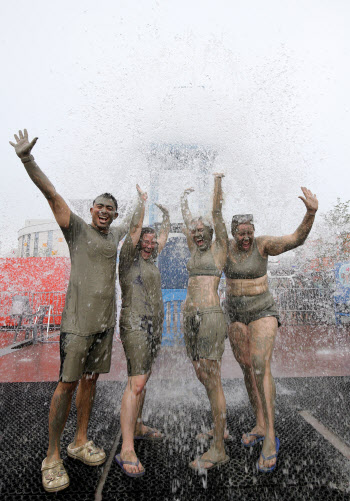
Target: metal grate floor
309	467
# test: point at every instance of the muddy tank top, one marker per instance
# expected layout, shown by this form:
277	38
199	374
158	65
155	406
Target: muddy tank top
201	263
140	283
254	266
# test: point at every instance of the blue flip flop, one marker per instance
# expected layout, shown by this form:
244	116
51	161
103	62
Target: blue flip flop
271	468
122	463
259	438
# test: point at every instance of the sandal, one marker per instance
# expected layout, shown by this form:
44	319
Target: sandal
88	453
54	476
121	463
265	469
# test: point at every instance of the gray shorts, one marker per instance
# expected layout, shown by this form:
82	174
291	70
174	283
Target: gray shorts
141	345
246	309
85	354
205	331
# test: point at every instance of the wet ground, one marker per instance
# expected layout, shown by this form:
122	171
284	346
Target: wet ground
312	370
299	352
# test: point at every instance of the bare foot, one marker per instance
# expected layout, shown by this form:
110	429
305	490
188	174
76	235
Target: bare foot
209	459
147	431
131	456
209	434
247	438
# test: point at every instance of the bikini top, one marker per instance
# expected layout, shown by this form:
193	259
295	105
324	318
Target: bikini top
201	263
254	266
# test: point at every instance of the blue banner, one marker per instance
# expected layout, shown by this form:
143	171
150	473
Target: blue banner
342	280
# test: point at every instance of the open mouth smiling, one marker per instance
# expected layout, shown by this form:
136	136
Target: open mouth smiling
147	252
103	219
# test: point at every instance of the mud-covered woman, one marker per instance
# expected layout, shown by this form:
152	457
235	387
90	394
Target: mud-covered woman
204	322
141	324
254	318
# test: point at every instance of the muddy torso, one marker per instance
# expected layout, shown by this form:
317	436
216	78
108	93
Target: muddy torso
90	298
252	266
204	279
140	283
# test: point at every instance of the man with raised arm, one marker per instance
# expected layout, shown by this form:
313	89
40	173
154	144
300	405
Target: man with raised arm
88	318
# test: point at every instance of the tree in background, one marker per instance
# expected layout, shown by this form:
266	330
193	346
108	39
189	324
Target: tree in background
337	224
328	244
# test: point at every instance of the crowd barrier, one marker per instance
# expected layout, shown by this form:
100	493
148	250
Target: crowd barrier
309	306
14	303
297	306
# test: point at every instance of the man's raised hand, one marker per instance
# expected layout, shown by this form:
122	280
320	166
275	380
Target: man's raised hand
22	146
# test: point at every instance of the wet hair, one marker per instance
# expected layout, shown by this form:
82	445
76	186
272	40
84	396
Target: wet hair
110	196
205	222
147	229
241	219
144	231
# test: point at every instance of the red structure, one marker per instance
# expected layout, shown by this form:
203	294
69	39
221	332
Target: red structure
32	282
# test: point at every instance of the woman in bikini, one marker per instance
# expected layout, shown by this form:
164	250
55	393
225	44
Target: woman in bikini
254	319
204	323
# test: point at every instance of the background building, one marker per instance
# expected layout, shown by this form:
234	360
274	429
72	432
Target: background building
41	238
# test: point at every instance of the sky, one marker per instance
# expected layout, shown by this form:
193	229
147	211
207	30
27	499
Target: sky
264	85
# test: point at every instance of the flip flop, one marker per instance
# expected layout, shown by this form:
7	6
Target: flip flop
215	464
149	435
122	463
259	438
270	468
208	436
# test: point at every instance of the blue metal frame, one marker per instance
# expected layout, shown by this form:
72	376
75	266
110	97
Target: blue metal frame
172	298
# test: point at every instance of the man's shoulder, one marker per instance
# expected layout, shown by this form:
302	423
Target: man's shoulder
114	230
75	220
75	227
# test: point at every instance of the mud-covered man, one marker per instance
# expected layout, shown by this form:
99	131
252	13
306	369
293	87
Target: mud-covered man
88	318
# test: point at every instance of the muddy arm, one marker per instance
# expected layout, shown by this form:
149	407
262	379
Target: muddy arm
187	217
23	149
219	224
185	210
273	246
164	229
134	217
136	222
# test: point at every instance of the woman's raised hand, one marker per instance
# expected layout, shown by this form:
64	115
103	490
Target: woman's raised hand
310	200
142	194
